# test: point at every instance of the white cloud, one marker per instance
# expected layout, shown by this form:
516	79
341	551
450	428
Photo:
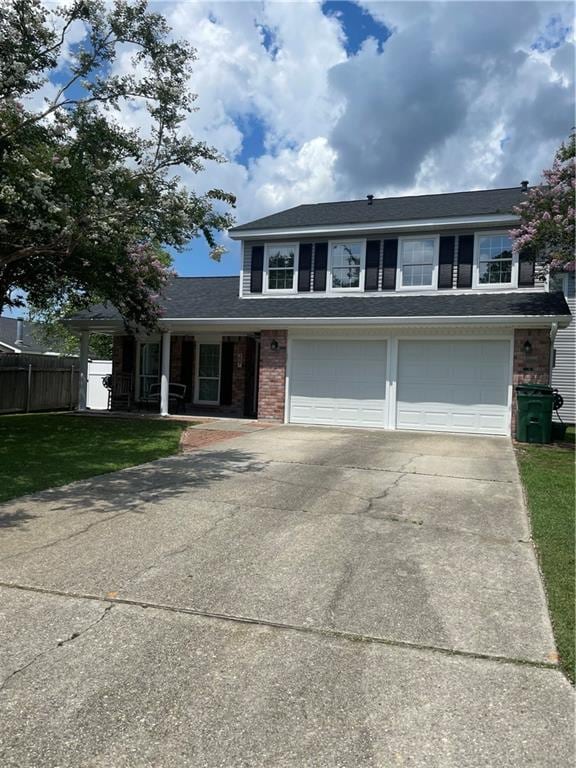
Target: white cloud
459	97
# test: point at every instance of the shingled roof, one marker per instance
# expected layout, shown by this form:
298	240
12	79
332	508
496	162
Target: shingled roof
382	210
216	298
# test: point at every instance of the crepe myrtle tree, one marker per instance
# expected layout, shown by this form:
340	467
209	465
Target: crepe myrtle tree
89	205
547	215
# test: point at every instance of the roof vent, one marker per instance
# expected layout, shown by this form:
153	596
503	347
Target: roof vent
19	331
370	198
524	186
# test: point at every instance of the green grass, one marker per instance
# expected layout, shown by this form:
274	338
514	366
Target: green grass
548	476
39	451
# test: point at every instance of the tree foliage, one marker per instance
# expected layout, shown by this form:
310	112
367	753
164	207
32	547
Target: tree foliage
547	214
88	205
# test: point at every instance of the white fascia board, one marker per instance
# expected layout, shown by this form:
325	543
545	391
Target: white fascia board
3	344
528	321
397	226
524	321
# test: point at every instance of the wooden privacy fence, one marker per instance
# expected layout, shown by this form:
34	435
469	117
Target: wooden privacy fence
38	383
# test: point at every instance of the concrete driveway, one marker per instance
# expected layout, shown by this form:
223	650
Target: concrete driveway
289	597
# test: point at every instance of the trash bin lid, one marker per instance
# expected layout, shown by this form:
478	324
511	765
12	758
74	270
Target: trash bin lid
534	389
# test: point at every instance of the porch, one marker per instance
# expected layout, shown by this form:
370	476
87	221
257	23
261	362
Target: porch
202	376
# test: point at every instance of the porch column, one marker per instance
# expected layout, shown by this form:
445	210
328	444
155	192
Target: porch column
83	378
165	374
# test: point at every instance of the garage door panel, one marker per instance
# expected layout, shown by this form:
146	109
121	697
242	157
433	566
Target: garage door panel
338	382
454	386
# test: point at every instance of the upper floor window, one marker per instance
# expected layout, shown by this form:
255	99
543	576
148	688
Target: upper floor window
346	265
418	262
495	261
281	267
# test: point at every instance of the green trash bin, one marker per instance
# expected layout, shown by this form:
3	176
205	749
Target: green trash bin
534	416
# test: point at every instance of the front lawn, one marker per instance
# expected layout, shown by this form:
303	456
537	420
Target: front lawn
548	476
40	451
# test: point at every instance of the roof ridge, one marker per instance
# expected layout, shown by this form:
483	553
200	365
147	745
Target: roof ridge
410	197
206	277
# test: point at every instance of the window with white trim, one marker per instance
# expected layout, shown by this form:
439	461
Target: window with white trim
208	373
281	266
346	265
495	260
148	367
418	262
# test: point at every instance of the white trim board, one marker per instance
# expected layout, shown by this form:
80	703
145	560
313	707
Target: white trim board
388	226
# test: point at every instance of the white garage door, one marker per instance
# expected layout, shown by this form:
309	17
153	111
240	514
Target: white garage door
338	382
454	386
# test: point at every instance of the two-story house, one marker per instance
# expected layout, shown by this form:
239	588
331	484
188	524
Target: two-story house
398	313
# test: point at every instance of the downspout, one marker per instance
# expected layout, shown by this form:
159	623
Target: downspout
553	332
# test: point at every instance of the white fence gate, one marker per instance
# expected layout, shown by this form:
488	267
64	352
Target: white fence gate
97	398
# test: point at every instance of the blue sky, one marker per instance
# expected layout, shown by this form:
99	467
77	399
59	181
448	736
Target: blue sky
315	101
409	98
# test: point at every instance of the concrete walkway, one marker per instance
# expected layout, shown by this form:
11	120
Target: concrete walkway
286	597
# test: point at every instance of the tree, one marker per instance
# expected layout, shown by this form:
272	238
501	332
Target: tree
87	205
47	329
547	214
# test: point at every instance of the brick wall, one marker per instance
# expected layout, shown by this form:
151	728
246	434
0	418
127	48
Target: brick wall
272	376
531	368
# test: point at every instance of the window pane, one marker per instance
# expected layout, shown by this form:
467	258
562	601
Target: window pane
348	277
208	389
417	275
495	259
209	361
495	272
281	265
418	251
280	279
150	359
281	258
346	254
495	247
417	262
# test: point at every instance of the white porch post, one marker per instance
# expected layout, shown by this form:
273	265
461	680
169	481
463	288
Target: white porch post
165	374
83	378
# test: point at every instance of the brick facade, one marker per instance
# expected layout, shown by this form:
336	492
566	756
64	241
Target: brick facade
272	376
532	367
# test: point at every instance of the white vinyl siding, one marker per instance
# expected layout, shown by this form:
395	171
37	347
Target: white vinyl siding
564	370
454	386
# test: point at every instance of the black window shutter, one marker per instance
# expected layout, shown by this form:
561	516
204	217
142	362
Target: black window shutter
320	265
304	266
526	268
128	354
256	268
226	372
372	265
446	261
389	263
465	260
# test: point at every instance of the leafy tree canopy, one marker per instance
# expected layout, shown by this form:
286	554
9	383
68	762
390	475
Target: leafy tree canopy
88	205
547	214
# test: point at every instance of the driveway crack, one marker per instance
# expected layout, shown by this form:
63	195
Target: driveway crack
59	644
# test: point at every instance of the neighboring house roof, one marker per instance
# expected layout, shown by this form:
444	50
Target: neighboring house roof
216	298
450	205
8	333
